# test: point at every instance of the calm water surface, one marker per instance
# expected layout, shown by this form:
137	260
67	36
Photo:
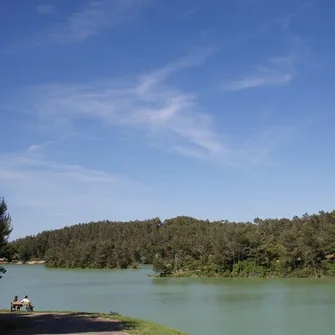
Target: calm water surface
196	306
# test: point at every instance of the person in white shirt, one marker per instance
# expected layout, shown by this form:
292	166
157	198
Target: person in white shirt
26	301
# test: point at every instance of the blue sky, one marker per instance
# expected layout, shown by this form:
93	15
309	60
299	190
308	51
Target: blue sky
132	109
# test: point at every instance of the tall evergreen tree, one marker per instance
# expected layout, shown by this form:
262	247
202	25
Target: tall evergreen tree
5	230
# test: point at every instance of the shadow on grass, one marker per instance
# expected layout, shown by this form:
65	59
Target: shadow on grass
61	323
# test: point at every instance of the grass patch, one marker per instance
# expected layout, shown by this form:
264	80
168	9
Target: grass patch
136	326
142	327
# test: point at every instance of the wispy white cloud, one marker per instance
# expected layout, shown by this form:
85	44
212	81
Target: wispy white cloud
38	183
286	20
60	139
262	77
95	17
89	20
45	9
37	147
21	166
146	103
277	71
37	186
191	11
154	78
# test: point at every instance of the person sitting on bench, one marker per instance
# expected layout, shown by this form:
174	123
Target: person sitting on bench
26	302
16	304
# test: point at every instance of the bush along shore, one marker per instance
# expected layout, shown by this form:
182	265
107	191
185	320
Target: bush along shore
78	323
184	246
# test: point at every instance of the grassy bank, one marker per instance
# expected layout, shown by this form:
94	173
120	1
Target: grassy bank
18	321
140	327
245	269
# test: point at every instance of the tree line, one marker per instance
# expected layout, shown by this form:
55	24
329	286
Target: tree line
184	246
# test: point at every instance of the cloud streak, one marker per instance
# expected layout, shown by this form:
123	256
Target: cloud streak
191	12
72	193
277	71
87	22
38	147
262	77
95	17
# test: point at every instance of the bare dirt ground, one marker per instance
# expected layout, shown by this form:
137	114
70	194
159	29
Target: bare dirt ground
59	323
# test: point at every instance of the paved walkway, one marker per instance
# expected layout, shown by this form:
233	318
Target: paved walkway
61	323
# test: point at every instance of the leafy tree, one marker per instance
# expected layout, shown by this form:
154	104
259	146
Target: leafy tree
5	230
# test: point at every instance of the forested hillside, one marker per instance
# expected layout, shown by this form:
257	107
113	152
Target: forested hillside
302	247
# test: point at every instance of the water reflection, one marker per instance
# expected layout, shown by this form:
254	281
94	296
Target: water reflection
171	281
197	306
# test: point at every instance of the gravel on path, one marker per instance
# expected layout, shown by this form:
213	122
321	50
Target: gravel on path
60	323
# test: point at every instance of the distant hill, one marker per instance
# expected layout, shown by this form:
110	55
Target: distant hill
182	246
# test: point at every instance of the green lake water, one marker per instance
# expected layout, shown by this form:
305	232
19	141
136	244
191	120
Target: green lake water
196	306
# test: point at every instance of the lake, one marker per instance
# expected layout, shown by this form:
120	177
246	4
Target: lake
196	306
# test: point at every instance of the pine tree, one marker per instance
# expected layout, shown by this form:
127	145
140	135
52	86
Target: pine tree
5	230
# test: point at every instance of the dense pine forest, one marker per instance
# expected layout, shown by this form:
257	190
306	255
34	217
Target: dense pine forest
183	246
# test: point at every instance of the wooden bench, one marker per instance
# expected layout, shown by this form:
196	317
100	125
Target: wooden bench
16	306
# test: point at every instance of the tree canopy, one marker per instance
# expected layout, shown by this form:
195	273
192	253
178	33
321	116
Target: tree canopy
5	230
183	246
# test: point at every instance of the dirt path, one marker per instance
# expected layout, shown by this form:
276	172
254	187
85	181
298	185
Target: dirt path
60	323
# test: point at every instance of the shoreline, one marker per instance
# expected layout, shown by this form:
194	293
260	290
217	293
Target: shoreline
189	274
22	263
269	276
